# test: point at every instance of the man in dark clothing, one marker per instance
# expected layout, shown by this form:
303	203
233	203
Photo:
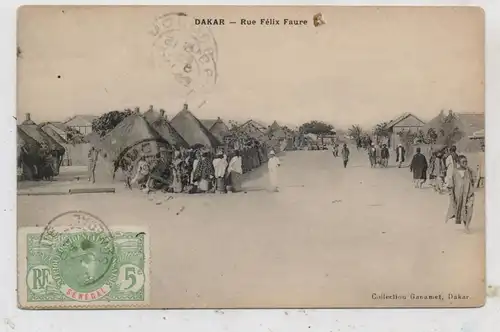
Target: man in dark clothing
345	155
384	154
419	168
400	155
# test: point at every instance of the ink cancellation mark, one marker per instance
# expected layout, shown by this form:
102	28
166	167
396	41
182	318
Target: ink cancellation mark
190	50
77	262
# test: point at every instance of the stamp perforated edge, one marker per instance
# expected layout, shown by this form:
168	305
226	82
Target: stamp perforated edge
22	303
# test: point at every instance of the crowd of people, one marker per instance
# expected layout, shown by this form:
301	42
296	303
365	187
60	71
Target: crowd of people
191	171
448	172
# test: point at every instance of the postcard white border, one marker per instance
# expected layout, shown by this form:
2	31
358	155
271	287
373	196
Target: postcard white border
467	320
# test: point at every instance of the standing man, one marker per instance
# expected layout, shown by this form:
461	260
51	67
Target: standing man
385	155
461	186
345	155
451	162
400	155
92	156
235	171
419	168
273	165
372	155
220	166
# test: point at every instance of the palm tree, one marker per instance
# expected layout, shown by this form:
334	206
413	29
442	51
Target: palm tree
355	132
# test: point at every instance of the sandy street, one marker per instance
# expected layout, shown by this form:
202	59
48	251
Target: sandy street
330	237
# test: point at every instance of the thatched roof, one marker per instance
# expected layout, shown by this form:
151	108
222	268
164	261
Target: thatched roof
52	133
130	133
169	134
208	123
254	130
29	144
192	130
41	137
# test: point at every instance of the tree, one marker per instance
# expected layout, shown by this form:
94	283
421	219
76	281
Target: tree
108	121
407	137
381	130
355	133
432	136
317	128
74	136
449	133
420	137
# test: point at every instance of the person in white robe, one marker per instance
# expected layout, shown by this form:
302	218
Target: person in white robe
273	165
220	165
235	172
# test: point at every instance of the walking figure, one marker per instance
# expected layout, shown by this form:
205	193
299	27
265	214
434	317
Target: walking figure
345	155
384	153
400	155
418	167
461	186
273	165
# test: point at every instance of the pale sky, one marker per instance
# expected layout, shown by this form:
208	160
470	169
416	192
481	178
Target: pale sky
364	66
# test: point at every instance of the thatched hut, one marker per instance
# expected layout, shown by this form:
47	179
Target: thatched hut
28	155
44	140
192	130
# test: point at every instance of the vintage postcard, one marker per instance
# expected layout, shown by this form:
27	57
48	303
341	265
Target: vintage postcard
250	157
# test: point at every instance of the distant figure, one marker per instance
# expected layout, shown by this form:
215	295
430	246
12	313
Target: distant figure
451	162
480	168
92	157
437	171
345	155
273	165
378	155
372	155
235	171
384	153
335	150
400	155
177	184
461	186
419	168
47	169
358	144
220	166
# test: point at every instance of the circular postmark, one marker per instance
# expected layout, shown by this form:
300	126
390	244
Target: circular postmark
190	50
83	264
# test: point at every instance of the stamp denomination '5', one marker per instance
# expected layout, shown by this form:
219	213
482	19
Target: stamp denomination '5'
79	268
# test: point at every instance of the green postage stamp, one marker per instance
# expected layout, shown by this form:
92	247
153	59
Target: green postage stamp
83	267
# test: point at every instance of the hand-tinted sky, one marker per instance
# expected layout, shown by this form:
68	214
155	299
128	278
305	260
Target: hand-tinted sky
364	66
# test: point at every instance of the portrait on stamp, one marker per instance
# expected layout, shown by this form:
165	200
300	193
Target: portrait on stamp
250	157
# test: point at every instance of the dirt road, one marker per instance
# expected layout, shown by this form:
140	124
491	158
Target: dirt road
330	237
